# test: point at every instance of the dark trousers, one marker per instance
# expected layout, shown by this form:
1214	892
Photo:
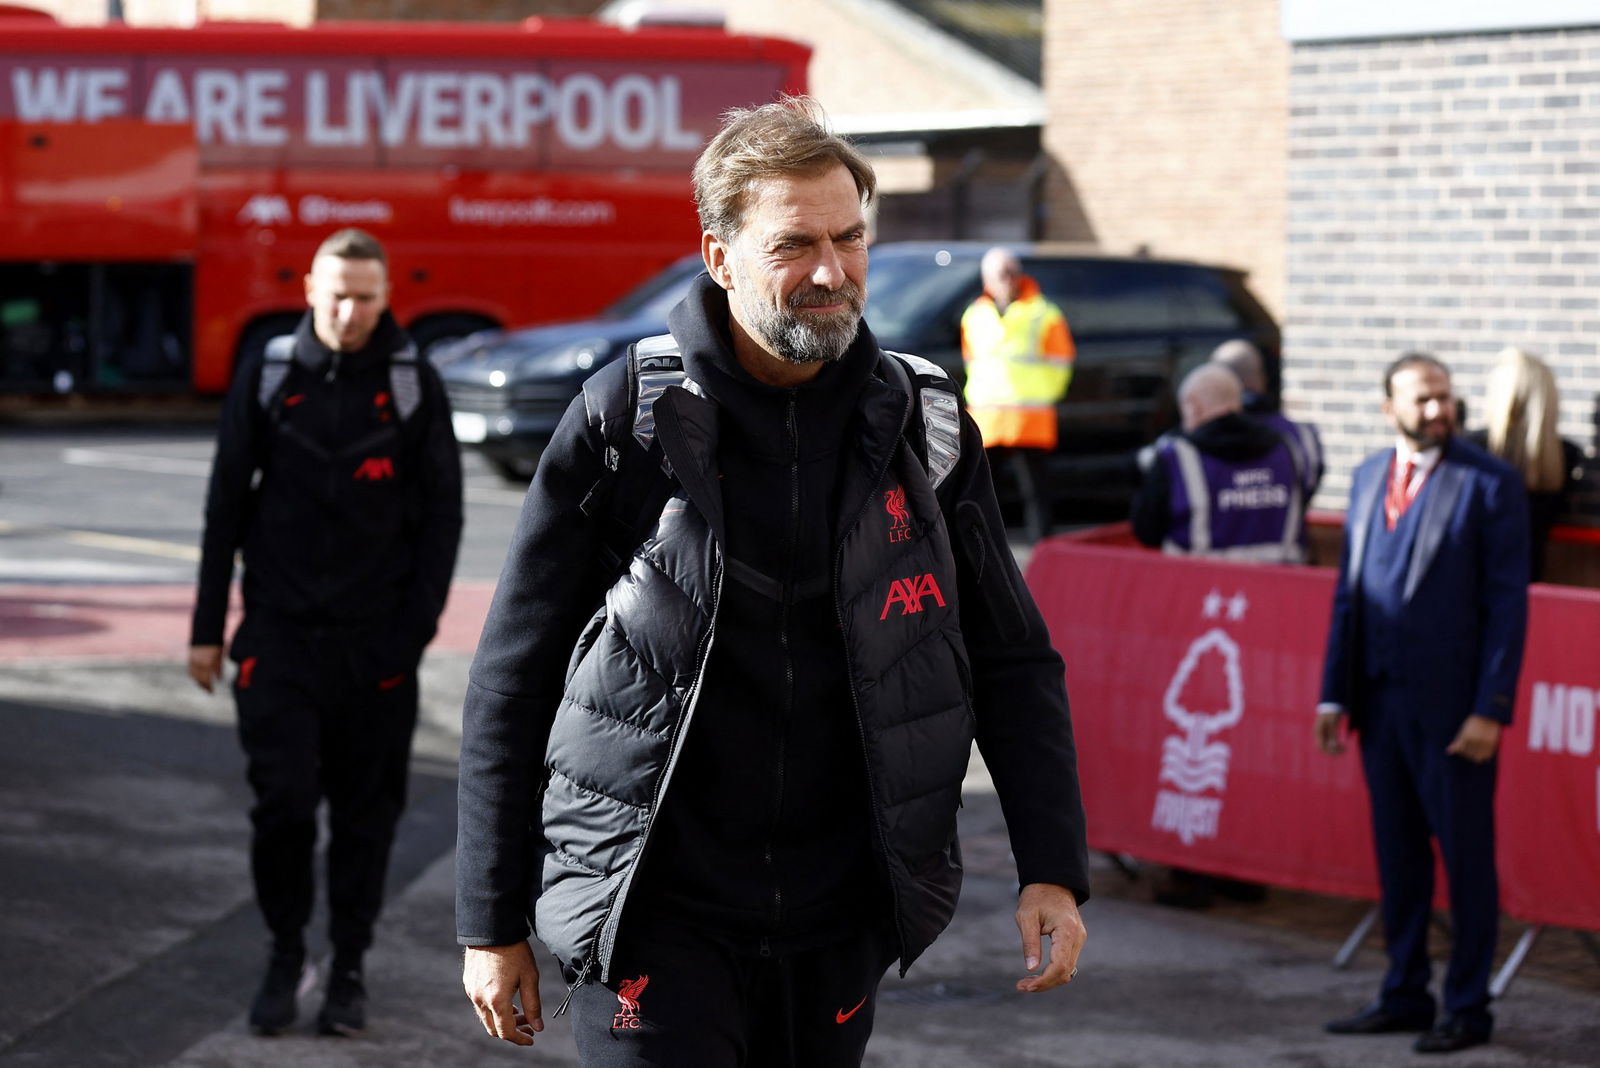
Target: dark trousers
1025	468
318	721
1420	792
680	997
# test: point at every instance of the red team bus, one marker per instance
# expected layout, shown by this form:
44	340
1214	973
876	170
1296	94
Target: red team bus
162	190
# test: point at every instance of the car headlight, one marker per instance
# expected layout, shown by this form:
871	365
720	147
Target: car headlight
579	357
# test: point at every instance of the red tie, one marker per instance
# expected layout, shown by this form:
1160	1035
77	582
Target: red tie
1400	494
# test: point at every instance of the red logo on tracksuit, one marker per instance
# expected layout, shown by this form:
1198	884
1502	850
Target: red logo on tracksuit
908	594
627	1018
247	668
291	401
894	502
374	469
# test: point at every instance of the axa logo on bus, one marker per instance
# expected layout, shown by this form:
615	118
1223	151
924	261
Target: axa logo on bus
427	108
1562	719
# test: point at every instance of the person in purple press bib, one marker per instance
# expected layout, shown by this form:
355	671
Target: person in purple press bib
1227	485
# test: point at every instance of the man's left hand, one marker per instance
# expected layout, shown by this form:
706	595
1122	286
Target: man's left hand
1047	909
1478	739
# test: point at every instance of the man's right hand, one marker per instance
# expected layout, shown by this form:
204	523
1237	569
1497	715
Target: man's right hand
1329	731
491	975
205	666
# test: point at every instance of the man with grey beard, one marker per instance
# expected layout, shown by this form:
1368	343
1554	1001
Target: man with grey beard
722	784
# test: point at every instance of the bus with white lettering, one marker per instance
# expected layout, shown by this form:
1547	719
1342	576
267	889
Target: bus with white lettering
162	190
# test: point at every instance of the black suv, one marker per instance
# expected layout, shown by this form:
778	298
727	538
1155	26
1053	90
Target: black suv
1140	324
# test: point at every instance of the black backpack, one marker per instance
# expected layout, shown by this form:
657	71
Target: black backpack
633	494
405	384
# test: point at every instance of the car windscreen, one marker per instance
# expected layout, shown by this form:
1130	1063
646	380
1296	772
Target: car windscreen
656	295
1111	296
904	288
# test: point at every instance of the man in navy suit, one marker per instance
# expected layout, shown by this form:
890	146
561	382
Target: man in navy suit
1423	654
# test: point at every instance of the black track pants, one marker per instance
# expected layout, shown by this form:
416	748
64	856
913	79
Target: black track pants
319	720
679	997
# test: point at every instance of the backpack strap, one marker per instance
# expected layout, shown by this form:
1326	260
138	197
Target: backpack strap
655	365
405	384
937	404
629	496
632	494
405	381
278	358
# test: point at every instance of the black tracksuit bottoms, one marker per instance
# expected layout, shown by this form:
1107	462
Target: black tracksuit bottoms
318	722
679	996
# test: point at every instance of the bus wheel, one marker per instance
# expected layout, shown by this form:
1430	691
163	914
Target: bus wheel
433	333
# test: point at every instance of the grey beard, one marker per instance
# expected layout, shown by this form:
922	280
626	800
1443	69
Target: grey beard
802	341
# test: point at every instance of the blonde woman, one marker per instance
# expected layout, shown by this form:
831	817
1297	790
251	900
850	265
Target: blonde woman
1521	407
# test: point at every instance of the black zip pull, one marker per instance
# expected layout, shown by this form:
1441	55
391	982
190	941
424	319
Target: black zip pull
333	368
766	950
583	977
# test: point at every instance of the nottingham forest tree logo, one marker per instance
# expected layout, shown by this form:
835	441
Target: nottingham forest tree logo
1204	698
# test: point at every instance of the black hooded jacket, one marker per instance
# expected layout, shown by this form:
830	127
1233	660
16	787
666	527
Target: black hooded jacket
345	516
787	817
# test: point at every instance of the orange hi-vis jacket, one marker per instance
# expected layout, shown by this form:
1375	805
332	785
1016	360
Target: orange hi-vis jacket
1019	363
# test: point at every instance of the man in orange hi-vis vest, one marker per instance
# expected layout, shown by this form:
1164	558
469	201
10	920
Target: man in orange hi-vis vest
1019	355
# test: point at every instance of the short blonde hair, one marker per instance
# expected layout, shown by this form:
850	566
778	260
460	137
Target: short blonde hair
778	140
1522	407
353	244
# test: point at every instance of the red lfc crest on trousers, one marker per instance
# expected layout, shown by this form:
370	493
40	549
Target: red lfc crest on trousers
894	502
628	997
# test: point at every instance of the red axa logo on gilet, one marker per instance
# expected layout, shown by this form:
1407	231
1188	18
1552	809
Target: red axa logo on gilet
627	1018
908	594
374	469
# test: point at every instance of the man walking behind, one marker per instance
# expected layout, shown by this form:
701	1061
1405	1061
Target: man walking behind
720	776
338	476
1019	356
1424	650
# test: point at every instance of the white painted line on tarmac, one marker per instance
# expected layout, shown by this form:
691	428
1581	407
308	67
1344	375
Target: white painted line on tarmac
82	569
127	461
172	465
95	539
125	544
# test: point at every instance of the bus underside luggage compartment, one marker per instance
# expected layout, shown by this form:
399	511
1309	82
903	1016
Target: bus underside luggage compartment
98	228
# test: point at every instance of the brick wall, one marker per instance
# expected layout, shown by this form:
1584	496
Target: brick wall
1444	195
1166	127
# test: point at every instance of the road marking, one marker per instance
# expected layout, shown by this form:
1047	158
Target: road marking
171	465
124	543
484	495
125	461
94	539
82	569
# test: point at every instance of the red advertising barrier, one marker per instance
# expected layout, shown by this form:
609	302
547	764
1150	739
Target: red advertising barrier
1194	687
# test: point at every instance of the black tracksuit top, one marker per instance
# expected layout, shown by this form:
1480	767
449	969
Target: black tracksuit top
354	521
767	829
767	832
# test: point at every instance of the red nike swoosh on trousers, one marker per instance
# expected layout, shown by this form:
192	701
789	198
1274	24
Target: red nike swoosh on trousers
841	1016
